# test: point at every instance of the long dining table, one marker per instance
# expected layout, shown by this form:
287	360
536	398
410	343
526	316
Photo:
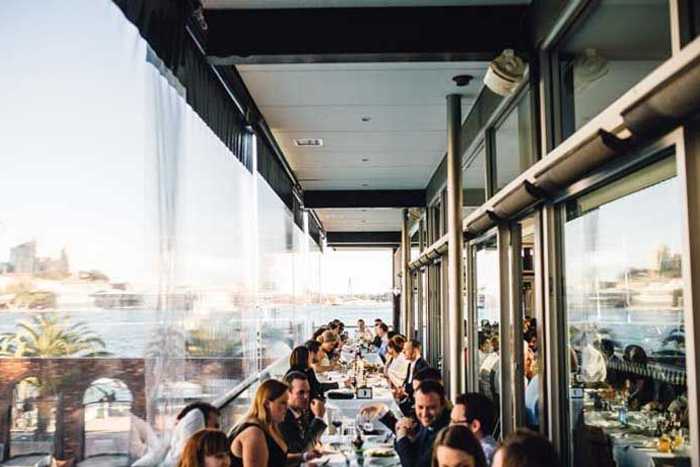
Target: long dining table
337	440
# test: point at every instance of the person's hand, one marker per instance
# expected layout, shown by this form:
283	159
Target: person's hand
404	427
310	455
318	408
371	411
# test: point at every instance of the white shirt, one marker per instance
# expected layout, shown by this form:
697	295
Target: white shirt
396	371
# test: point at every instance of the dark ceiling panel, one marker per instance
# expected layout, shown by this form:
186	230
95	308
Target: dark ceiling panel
365	34
364	199
363	238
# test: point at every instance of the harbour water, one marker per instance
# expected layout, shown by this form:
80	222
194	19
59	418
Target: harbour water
127	332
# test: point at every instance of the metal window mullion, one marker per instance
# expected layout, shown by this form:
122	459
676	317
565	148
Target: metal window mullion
490	166
506	347
556	343
472	365
515	328
541	317
688	167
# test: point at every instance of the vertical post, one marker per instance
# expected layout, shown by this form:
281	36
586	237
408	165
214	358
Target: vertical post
454	246
472	364
688	167
505	330
514	276
406	291
556	358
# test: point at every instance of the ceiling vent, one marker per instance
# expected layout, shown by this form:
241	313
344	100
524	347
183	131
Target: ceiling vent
309	142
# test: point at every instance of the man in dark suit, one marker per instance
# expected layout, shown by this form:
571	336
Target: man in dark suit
414	441
303	424
382	413
416	362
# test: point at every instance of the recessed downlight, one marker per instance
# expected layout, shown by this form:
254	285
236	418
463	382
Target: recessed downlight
366	119
364	159
309	142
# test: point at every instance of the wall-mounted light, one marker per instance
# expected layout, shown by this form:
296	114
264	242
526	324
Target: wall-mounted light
504	73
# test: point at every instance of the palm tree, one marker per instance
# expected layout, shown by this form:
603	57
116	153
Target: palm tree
51	336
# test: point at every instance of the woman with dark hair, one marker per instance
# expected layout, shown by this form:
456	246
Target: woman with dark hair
302	359
641	388
206	448
396	366
456	446
257	440
525	448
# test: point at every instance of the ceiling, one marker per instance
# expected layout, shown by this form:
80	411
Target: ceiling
255	4
398	148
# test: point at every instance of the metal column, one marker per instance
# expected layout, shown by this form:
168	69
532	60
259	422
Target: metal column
455	243
688	166
406	292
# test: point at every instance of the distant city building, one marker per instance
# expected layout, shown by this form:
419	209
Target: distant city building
23	260
23	257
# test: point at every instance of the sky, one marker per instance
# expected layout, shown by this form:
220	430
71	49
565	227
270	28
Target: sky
81	151
369	271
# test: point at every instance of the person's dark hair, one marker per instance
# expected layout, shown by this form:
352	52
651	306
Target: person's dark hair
384	327
478	407
529	335
396	343
204	407
428	374
525	448
377	321
432	387
292	375
415	343
391	334
607	346
462	439
205	442
318	332
333	325
635	354
299	359
482	339
312	345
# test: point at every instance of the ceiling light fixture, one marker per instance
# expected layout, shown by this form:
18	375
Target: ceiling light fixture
366	119
364	184
364	159
309	142
462	80
504	73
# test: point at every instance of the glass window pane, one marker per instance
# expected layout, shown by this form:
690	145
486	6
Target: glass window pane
488	318
608	54
474	179
624	308
514	143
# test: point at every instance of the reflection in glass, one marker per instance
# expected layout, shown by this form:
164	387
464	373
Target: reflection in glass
513	143
624	305
488	319
604	57
474	177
